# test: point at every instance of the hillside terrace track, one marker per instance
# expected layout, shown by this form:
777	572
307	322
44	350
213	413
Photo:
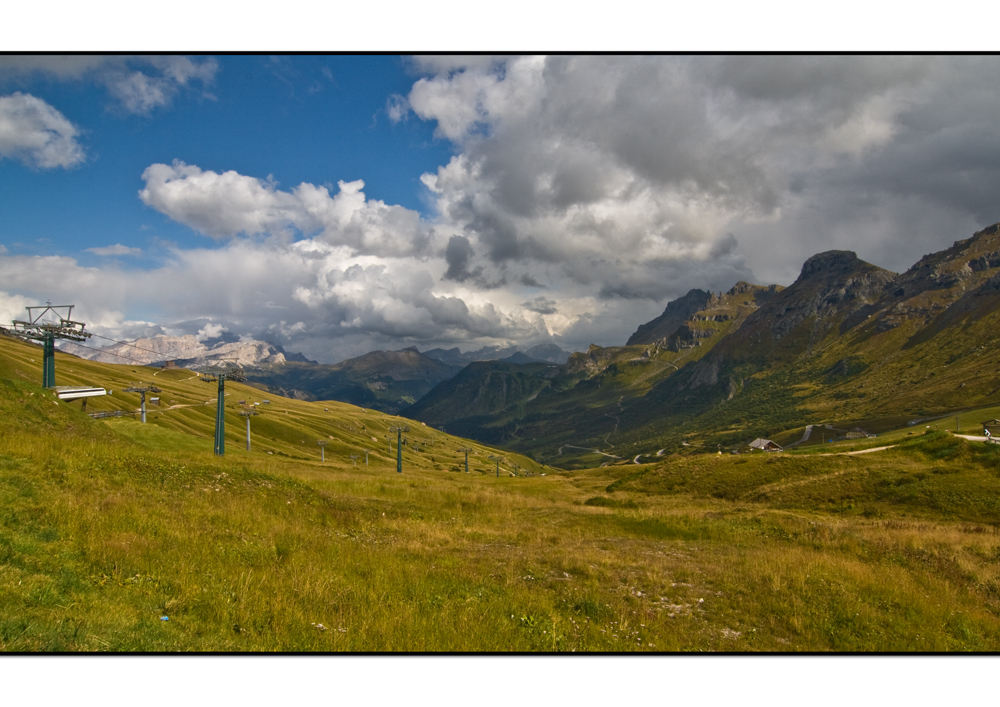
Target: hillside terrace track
859	451
781	485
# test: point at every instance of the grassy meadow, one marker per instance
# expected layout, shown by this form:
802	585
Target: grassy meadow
122	537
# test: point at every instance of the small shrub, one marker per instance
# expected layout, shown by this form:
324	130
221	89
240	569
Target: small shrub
606	502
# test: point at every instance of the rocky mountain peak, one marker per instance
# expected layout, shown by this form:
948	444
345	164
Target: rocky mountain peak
832	262
673	317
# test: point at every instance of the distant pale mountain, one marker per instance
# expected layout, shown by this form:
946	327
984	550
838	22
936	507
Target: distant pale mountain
187	352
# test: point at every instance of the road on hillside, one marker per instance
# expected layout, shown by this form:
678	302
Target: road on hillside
978	438
805	437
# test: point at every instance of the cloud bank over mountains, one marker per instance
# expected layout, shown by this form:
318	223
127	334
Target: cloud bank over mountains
582	194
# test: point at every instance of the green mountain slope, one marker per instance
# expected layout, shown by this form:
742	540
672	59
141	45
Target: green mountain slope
568	411
846	341
283	427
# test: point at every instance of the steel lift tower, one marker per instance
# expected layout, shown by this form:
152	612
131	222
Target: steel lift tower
399	445
466	450
142	389
247	412
235	374
497	459
47	331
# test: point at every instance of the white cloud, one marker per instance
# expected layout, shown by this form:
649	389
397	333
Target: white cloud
396	108
13	307
116	249
36	134
138	83
225	205
142	91
63	67
210	331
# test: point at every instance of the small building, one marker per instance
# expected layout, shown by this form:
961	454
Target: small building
154	401
858	433
765	445
991	426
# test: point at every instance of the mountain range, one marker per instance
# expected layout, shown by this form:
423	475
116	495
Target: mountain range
847	341
384	380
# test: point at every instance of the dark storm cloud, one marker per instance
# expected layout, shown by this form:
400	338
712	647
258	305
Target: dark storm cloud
655	163
458	254
542	305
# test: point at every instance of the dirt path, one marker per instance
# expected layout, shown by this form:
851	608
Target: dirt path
781	485
194	405
586	449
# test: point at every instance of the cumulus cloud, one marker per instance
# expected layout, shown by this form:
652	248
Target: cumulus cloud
228	204
139	84
116	249
210	331
458	254
633	175
36	134
12	306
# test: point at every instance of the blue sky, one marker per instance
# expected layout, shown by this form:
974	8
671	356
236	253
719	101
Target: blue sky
341	204
312	119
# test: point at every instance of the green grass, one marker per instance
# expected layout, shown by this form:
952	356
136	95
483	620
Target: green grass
108	526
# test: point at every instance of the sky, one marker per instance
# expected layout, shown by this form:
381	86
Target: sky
341	204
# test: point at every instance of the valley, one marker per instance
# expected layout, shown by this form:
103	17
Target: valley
117	536
610	503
